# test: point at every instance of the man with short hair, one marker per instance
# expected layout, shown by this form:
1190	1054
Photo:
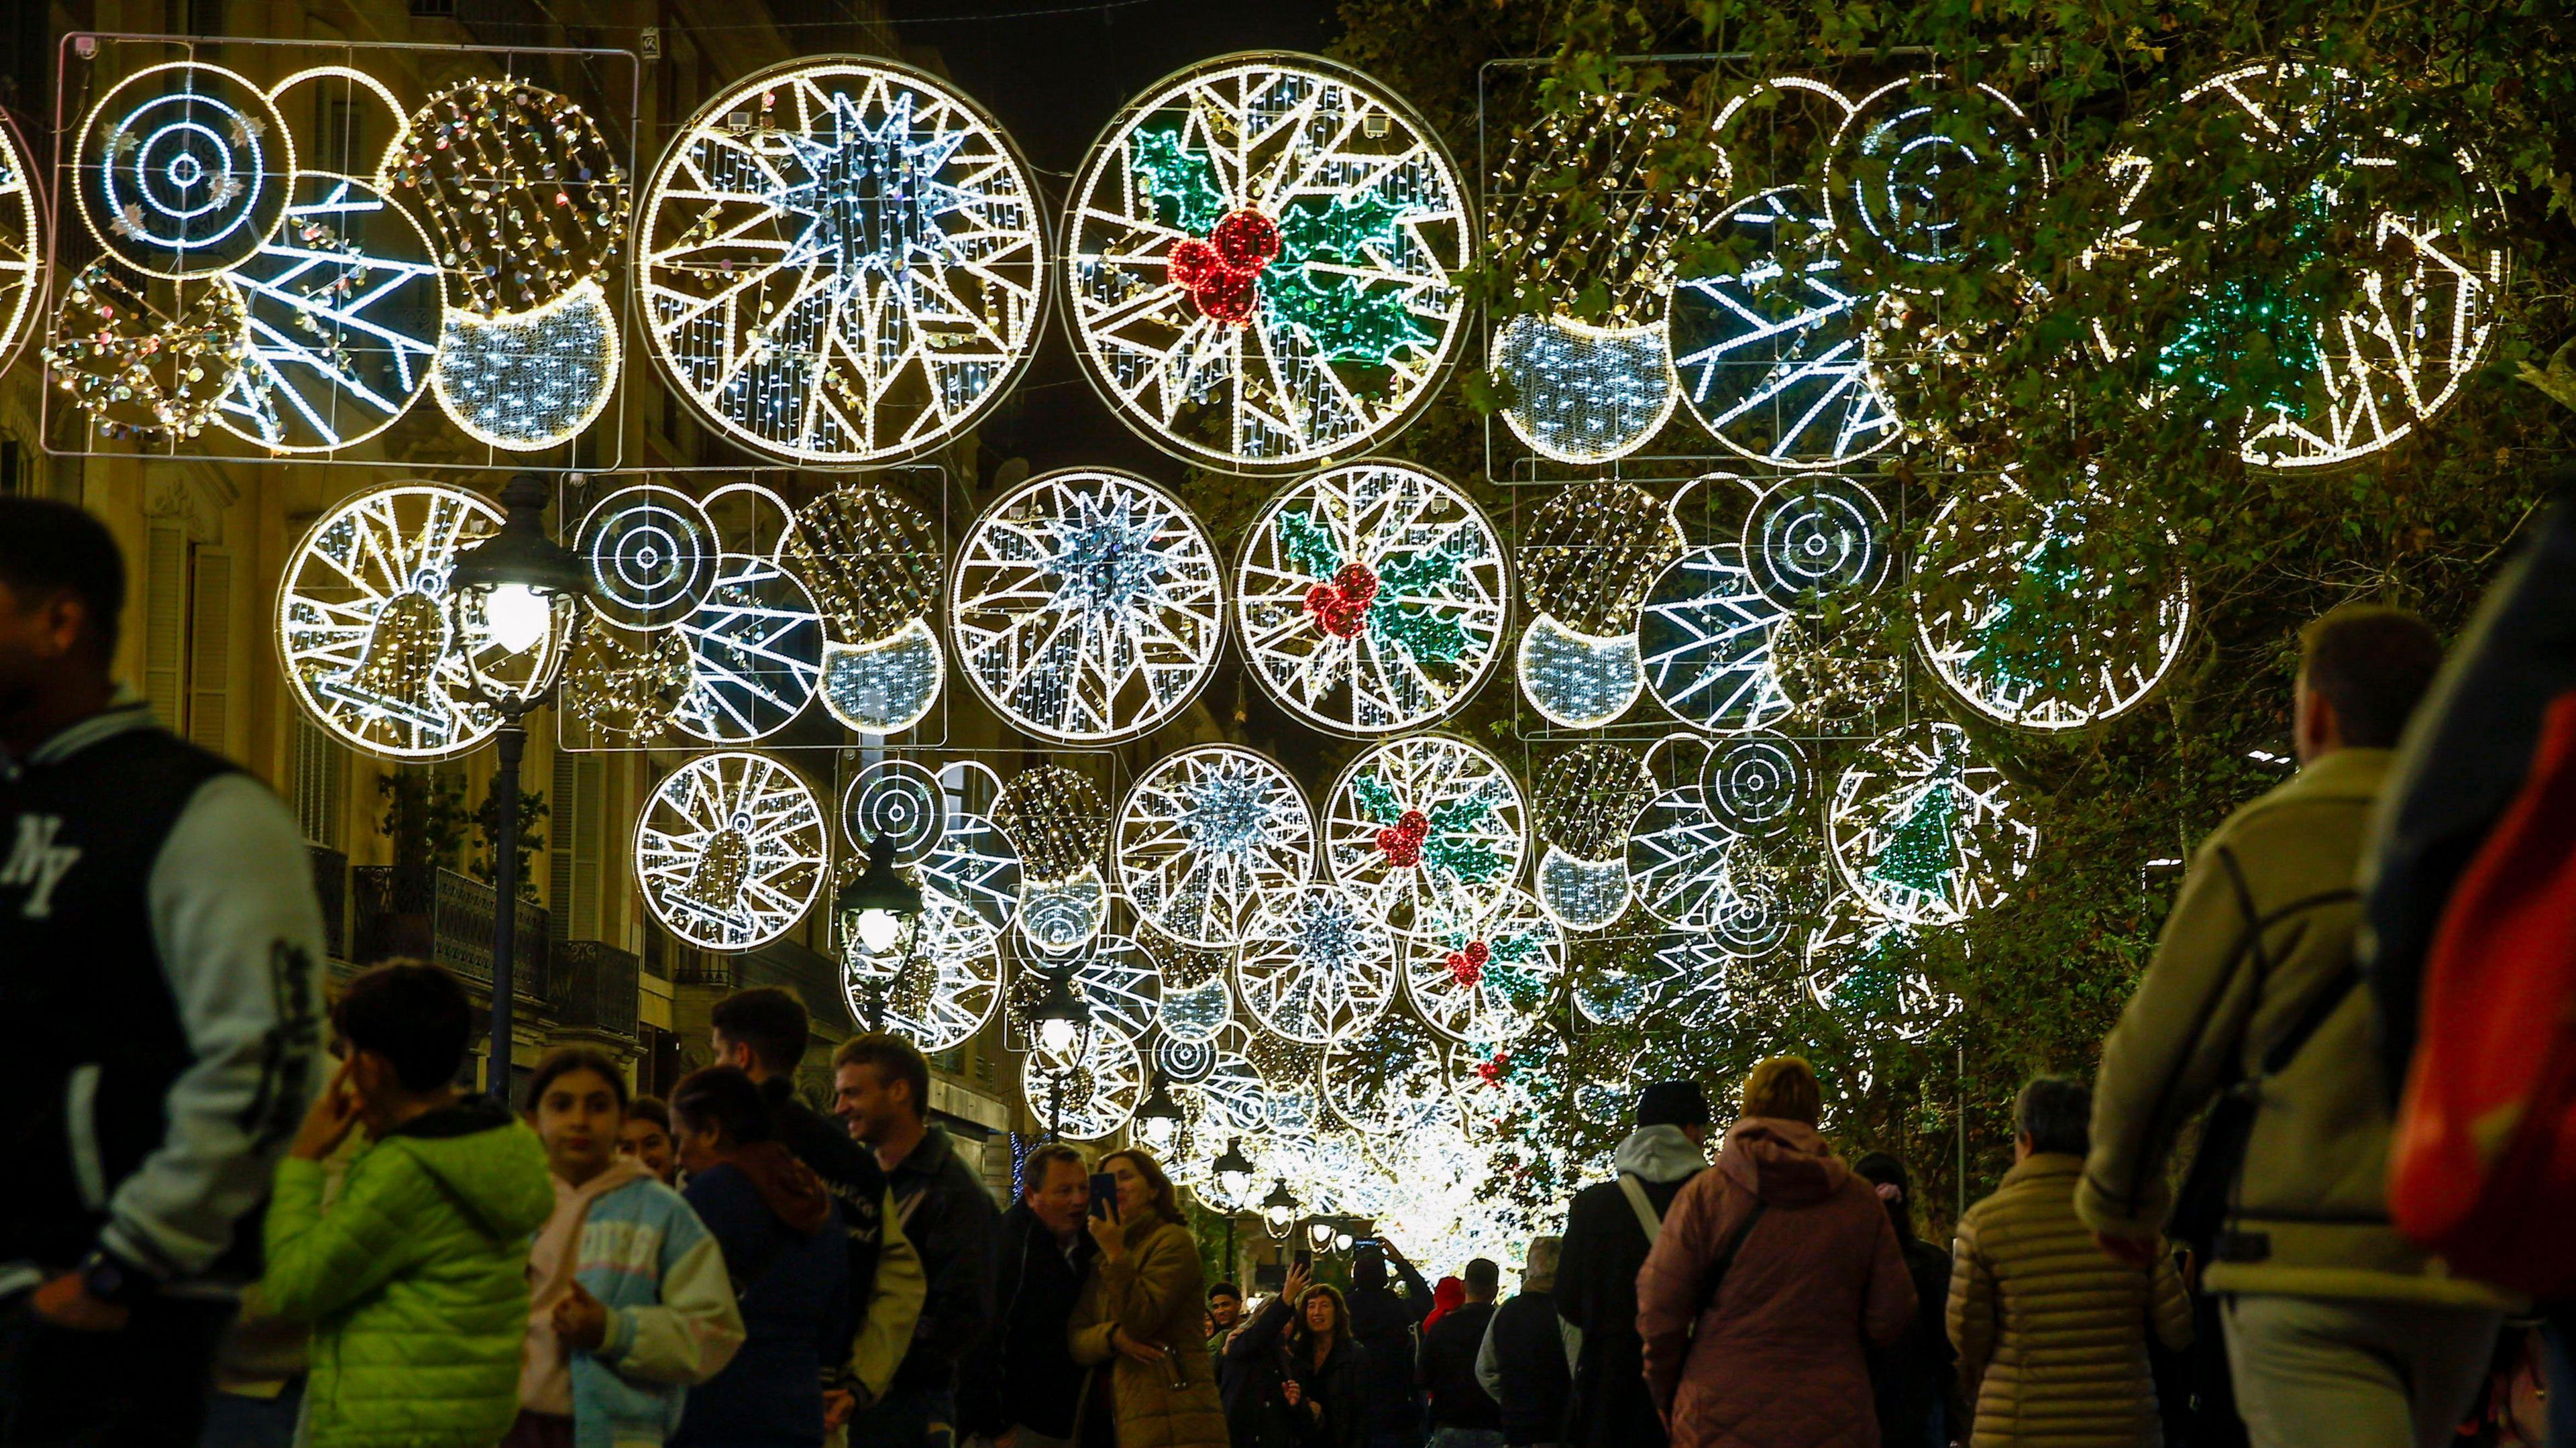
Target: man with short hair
162	981
881	1091
1031	1385
763	1031
2339	1330
2052	1338
1462	1414
1225	1314
1383	1324
1608	1231
1522	1362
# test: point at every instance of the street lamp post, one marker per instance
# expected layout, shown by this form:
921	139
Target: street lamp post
1159	1121
879	912
1062	1022
516	604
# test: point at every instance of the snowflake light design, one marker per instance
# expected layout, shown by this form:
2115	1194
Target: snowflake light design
1206	833
1774	357
181	169
1701	980
344	320
1371	598
22	245
729	851
363	623
756	653
1314	966
1706	641
1427	831
1088	607
1923	832
1259	257
2033	637
1490	981
843	262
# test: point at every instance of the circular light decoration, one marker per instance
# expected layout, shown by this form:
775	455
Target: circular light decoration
1597	154
970	889
651	554
22	244
874	564
1196	1002
1056	818
1912	162
1088	607
1756	784
1577	681
1760	900
949	986
887	686
1585	564
1313	966
1490	980
182	169
2028	635
729	851
2416	297
1814	543
756	653
937	1001
1370	598
135	368
1925	834
1615	990
1701	982
1860	968
521	190
1204	834
1677	858
843	262
1062	915
1706	638
1099	1088
1426	831
343	323
1259	255
1500	1082
350	84
1220	1078
1581	894
1389	1079
1587	797
1111	974
1585	393
898	800
362	622
529	380
1774	353
1841	677
627	684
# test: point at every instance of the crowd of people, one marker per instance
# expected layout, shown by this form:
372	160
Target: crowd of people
240	1217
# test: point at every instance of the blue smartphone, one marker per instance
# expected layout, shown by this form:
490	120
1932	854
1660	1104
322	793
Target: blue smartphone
1104	1195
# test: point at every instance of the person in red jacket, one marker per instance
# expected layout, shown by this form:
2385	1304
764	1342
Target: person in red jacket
1782	1259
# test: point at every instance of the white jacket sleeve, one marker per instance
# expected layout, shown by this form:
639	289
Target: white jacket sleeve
689	1335
1489	1364
240	938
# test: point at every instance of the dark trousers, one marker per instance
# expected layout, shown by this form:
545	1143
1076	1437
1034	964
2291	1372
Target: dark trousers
142	1387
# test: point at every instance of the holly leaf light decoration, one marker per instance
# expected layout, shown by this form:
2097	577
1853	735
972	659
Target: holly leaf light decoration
1348	320
1347	596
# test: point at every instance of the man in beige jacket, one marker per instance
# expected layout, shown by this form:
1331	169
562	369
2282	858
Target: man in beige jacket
2339	1331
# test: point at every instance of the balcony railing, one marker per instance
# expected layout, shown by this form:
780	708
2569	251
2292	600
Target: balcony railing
593	988
331	887
444	918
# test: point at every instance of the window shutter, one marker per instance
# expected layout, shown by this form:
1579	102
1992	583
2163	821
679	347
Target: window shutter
165	618
210	656
561	832
591	801
321	770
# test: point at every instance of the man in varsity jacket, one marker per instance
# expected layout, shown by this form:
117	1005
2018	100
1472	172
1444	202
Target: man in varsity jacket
160	951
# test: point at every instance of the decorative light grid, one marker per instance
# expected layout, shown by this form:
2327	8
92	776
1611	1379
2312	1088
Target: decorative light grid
343	320
944	990
1758	785
872	560
1389	1079
1219	1078
1314	966
1581	894
625	684
182	169
1205	834
522	192
1924	832
1062	915
1197	1003
843	262
1493	980
1618	990
1597	152
1056	818
1100	1086
1586	798
1586	561
1773	355
1088	606
1705	638
1907	156
756	653
1817	543
1112	975
897	800
1371	598
651	554
362	622
1583	393
22	244
730	850
1259	256
938	1001
1677	855
1701	980
1427	832
2420	296
529	380
136	369
2034	638
887	686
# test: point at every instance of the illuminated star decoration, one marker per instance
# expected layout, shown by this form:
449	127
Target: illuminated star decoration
343	318
1204	835
1087	606
1773	357
1314	967
1371	598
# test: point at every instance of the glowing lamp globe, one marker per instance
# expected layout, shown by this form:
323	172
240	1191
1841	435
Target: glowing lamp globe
1158	1121
880	908
1342	1241
1319	1235
1279	1208
1061	1018
520	590
1233	1170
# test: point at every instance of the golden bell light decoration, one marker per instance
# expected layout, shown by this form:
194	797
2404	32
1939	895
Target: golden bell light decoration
724	867
398	673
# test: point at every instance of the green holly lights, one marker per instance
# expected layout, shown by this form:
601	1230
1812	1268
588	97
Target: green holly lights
1447	842
1181	181
1428	636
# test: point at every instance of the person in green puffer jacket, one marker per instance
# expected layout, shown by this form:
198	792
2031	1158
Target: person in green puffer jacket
415	1275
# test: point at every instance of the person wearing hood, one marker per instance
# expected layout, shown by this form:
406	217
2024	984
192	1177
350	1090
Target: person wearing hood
1447	1296
789	1259
1608	1231
415	1277
1771	1271
1384	1324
